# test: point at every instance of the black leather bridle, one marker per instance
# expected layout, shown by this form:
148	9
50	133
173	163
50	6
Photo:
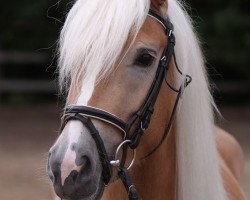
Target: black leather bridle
140	120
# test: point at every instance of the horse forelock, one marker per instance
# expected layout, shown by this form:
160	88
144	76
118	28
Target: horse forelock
93	37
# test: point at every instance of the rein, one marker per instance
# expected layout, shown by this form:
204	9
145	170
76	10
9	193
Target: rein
140	119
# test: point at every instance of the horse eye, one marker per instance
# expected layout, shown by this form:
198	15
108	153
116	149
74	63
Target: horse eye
144	60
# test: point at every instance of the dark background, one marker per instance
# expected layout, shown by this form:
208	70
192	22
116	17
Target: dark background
29	29
29	108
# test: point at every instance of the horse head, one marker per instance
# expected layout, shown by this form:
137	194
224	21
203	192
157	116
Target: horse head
117	62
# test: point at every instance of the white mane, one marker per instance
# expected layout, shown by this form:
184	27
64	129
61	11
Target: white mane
91	41
93	37
198	168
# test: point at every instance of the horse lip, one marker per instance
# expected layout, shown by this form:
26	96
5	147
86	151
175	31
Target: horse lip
94	196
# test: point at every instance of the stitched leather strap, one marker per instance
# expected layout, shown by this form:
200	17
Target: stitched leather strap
147	109
98	114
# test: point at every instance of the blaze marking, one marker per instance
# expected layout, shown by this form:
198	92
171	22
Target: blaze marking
68	163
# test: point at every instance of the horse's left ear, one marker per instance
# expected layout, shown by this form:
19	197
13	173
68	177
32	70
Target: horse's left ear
158	4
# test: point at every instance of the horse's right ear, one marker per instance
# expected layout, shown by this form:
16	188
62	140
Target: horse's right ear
157	4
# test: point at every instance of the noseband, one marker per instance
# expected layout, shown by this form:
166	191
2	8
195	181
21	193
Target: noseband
140	120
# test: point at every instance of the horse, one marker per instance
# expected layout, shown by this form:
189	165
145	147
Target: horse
139	116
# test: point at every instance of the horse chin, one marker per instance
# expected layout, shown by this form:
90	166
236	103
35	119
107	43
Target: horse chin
95	194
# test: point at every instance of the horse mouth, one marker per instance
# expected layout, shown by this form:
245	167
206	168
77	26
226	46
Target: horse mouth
78	194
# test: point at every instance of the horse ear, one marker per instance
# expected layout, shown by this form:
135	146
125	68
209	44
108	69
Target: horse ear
157	4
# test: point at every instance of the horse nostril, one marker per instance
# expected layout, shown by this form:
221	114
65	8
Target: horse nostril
71	179
83	161
85	165
56	175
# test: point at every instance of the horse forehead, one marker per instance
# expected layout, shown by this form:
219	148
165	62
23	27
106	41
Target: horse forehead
152	31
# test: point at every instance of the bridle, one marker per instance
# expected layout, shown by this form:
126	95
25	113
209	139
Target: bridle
140	120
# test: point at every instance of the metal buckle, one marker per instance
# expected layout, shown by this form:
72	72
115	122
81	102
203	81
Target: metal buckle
170	32
143	128
116	161
163	58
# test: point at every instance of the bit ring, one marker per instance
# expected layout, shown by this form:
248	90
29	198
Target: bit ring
116	161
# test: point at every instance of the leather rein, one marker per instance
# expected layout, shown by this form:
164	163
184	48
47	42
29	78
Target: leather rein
140	119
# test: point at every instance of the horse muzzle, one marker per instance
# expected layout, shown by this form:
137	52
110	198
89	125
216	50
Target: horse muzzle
75	175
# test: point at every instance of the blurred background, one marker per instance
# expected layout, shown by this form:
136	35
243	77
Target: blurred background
30	107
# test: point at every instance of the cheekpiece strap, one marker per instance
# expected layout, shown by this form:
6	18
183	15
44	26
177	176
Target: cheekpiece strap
147	109
168	26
